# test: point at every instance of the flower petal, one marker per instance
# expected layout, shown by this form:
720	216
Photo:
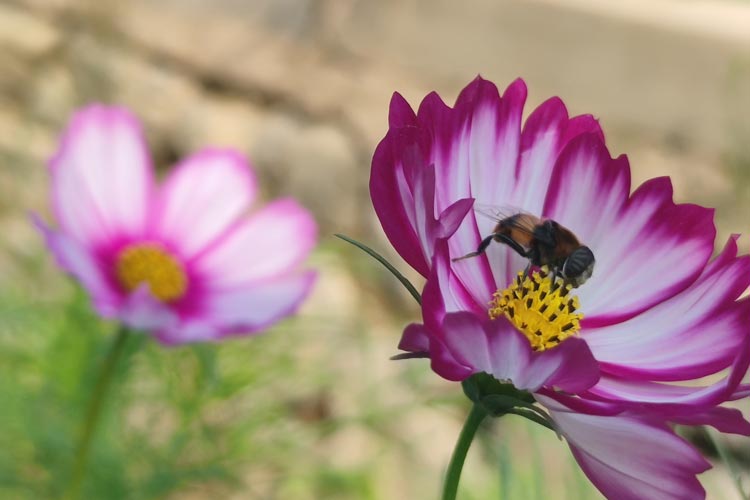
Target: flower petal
497	348
202	197
483	145
451	217
631	458
642	239
444	362
728	420
479	137
586	181
415	339
546	133
582	405
444	292
138	310
743	391
101	176
670	341
243	310
476	155
478	152
427	226
141	311
272	242
669	400
394	163
400	113
408	214
547	130
256	307
75	259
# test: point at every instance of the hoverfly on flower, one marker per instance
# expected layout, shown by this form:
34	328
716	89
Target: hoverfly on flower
544	242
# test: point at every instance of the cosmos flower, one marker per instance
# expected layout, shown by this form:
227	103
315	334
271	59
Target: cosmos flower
602	358
184	260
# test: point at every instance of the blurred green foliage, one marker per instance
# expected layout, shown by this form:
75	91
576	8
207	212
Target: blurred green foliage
310	410
261	417
175	420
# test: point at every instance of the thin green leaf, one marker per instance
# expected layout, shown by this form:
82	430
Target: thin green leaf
544	416
534	417
375	255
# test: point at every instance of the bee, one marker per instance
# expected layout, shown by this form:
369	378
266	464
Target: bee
543	242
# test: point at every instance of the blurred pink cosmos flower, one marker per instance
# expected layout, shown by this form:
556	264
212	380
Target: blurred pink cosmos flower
657	310
184	260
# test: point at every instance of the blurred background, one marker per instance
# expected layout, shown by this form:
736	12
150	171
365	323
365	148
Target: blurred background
315	409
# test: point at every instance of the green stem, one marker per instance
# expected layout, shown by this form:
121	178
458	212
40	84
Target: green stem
450	488
93	413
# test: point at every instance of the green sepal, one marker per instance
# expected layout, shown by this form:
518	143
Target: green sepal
499	404
480	385
501	398
539	417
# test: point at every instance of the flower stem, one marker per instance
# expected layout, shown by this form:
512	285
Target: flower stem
450	488
93	412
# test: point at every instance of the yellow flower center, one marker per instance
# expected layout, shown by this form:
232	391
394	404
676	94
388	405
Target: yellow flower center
151	264
543	311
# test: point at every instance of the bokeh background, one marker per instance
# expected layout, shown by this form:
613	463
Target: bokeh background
315	409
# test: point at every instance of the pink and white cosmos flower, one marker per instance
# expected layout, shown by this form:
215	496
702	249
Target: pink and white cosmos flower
659	310
185	260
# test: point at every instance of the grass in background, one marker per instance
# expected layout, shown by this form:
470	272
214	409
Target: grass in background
203	419
261	417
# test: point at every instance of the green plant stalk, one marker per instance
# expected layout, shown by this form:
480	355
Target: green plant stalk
456	465
93	412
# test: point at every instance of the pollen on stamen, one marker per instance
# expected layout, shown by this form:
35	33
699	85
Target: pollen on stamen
545	312
151	264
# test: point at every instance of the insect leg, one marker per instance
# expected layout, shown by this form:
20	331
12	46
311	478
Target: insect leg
527	254
480	249
527	271
553	275
512	244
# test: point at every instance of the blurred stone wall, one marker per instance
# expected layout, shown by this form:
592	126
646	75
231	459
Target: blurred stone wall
302	86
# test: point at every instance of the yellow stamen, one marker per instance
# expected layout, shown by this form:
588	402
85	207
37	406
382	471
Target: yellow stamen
151	264
543	311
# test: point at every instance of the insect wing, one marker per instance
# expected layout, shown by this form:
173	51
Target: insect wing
496	213
493	212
